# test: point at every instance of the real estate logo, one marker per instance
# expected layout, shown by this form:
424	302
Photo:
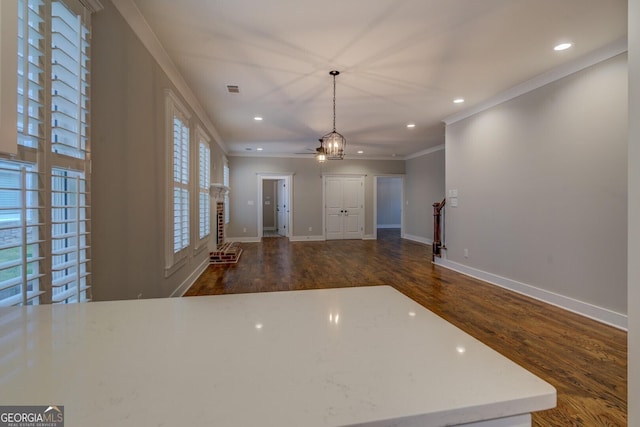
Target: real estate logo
32	416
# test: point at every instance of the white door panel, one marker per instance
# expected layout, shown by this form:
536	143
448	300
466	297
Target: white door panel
344	209
282	209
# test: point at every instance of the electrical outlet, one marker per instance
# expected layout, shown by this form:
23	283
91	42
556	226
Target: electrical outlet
466	253
244	230
310	228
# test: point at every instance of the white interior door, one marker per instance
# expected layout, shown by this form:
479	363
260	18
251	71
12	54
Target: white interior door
344	207
282	208
353	228
333	208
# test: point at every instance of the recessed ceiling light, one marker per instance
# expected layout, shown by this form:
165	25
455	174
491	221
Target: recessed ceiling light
458	100
257	118
259	148
562	46
360	152
411	125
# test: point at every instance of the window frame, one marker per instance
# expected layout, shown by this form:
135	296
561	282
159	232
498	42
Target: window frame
175	108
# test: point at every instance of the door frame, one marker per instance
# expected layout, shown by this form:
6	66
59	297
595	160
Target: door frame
288	180
375	203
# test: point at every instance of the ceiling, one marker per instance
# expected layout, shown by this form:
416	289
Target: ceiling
400	62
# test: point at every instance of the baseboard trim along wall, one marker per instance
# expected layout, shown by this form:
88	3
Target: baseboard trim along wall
418	239
591	311
190	280
242	239
307	239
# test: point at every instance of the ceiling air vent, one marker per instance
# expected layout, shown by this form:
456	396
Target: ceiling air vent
233	89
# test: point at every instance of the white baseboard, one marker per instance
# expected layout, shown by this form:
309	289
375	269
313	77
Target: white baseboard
585	309
252	239
307	238
190	280
368	237
418	239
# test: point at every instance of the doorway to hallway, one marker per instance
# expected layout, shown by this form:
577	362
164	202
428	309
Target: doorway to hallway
274	207
388	206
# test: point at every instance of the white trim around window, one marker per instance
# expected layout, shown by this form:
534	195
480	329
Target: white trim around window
177	218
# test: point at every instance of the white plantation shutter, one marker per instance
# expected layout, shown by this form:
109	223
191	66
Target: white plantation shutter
69	82
69	236
20	246
204	181
225	181
31	72
180	184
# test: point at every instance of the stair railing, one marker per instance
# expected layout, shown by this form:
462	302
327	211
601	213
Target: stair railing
438	224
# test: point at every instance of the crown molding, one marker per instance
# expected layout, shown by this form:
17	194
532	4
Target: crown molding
425	152
132	15
543	79
93	5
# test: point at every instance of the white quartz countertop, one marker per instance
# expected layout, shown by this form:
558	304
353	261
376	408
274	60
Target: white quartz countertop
332	357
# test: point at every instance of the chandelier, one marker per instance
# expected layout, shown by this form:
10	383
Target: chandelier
332	145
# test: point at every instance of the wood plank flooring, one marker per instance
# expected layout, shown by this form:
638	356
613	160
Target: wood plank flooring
585	360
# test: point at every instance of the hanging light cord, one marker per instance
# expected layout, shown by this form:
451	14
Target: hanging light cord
334	101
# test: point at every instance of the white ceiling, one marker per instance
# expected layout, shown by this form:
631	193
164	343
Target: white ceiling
401	61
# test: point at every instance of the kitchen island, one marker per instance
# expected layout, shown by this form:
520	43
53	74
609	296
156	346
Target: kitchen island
366	356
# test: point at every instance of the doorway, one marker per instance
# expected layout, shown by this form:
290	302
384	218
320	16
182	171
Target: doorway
274	207
388	212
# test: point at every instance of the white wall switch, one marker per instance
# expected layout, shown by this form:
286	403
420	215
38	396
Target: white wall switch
454	202
250	202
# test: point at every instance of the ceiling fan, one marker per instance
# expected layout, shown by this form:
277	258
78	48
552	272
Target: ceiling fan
314	151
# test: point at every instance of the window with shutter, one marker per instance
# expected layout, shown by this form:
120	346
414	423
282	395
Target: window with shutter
227	174
204	181
178	207
45	188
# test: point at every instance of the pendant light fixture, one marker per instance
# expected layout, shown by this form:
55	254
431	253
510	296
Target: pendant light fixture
333	144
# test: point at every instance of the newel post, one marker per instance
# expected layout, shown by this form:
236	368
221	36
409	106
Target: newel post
437	243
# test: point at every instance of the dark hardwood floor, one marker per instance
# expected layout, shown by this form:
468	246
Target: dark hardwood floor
585	360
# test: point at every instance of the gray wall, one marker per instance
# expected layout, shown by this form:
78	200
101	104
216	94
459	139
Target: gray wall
542	186
634	213
129	176
307	190
424	185
389	202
